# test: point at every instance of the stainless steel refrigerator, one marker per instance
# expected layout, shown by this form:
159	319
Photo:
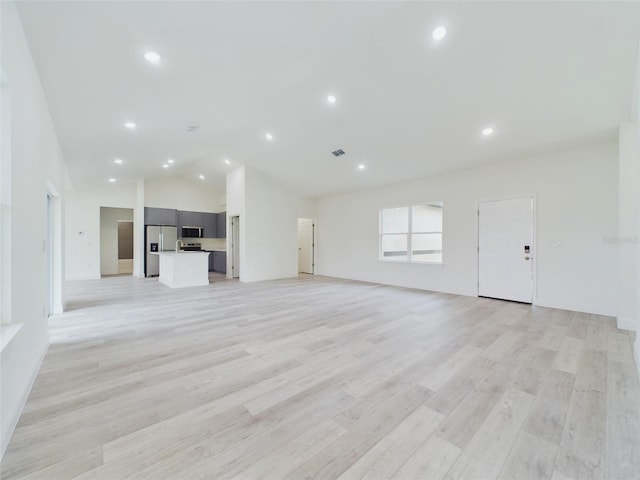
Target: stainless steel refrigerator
158	239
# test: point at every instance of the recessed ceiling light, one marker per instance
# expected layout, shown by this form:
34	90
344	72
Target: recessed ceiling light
130	125
201	177
165	165
361	166
112	180
487	131
439	33
118	161
331	99
152	57
268	136
227	161
170	161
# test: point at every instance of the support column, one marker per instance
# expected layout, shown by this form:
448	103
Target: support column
138	231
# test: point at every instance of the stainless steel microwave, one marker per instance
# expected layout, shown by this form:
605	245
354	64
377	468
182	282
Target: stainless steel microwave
191	232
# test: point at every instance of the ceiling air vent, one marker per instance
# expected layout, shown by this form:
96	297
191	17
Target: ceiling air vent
338	152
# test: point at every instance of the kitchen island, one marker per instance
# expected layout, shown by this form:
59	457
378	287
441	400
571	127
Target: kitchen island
184	269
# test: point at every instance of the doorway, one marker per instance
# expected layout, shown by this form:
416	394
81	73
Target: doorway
506	250
125	247
306	246
116	241
49	254
235	247
53	252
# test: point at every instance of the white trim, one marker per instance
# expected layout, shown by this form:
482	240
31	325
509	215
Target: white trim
7	333
409	234
88	276
13	421
56	248
626	323
534	236
576	307
636	354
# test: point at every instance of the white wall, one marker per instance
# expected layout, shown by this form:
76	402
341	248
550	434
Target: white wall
82	227
138	233
629	233
236	208
576	206
269	215
628	226
109	218
37	165
182	194
271	228
83	216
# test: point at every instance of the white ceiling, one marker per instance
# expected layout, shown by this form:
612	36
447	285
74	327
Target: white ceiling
543	74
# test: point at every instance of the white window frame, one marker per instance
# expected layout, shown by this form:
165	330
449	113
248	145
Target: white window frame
409	234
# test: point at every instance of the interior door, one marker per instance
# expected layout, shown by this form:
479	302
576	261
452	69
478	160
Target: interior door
305	245
505	249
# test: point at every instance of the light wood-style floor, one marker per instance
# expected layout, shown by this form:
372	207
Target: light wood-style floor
324	378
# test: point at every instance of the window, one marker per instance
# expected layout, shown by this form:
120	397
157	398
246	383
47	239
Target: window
412	234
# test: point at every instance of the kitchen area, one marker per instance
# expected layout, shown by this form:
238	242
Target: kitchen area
183	247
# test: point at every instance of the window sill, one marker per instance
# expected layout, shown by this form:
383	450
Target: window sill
7	333
434	264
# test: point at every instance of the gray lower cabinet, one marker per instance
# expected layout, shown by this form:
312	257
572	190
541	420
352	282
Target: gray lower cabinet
221	225
160	216
211	261
219	262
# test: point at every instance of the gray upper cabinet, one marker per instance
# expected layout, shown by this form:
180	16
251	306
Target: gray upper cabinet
198	219
160	216
190	219
214	225
181	220
221	225
209	225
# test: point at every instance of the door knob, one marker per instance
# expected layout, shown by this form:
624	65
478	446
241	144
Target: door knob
526	258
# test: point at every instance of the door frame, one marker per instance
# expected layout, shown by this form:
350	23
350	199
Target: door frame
54	249
313	244
234	244
534	238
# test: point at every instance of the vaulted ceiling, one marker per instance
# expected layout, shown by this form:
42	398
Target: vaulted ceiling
541	74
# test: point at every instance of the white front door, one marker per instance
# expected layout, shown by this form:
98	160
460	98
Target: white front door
505	249
305	245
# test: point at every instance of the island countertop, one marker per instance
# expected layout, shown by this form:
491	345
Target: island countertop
171	253
184	269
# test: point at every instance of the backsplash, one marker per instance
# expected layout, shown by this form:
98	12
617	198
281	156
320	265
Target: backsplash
212	243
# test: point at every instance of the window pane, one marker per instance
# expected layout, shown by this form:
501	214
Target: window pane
426	247
427	218
394	247
395	220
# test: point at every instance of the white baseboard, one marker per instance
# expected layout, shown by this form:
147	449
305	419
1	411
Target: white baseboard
636	354
626	323
89	276
15	416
